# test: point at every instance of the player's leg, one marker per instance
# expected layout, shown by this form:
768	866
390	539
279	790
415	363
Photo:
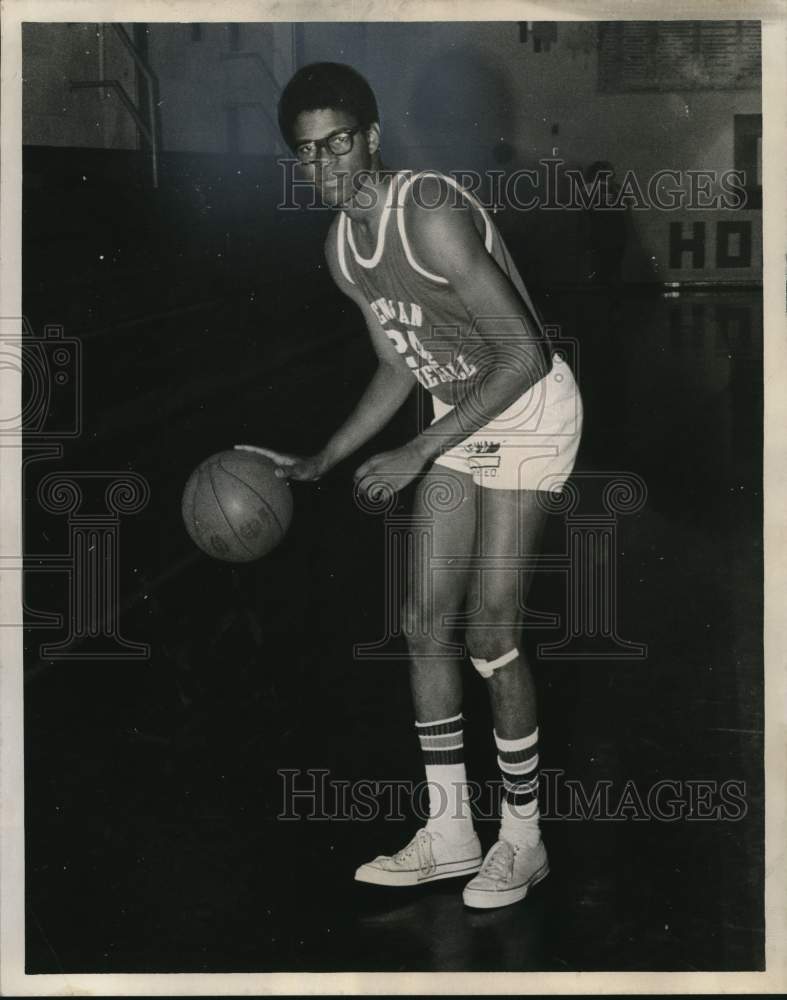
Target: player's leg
511	523
445	507
444	527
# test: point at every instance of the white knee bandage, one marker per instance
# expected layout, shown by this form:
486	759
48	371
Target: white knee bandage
487	667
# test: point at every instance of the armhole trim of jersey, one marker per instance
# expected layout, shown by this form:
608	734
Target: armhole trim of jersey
403	235
340	246
374	260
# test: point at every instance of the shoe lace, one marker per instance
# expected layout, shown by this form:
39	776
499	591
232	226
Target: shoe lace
499	862
421	846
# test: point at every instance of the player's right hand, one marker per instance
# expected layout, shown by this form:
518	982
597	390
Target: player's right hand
289	466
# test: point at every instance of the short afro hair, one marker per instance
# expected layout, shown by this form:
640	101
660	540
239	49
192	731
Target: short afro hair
326	85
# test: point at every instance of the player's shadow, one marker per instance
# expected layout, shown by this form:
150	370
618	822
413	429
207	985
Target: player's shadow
461	113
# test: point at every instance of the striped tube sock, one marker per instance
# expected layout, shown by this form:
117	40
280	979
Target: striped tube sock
449	806
518	762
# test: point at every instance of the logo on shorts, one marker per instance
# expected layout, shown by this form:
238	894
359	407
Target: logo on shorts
483	457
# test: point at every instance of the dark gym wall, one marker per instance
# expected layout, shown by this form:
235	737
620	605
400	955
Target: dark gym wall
443	88
57	55
455	96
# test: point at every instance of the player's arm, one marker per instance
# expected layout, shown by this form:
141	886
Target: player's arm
388	388
511	349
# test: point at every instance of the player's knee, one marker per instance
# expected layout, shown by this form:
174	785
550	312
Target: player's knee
490	644
410	615
422	630
420	644
494	633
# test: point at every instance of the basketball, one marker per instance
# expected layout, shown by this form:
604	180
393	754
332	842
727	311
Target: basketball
234	506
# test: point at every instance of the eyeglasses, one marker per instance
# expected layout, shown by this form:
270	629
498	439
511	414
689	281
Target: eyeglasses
339	143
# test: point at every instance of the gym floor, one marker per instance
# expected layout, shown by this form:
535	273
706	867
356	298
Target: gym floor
154	786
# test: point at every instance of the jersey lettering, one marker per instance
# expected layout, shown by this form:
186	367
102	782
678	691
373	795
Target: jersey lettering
397	338
430	373
418	347
386	309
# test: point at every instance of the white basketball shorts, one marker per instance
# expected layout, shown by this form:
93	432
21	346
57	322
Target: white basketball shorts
531	445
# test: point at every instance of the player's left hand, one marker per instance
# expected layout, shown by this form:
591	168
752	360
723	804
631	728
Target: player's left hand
388	472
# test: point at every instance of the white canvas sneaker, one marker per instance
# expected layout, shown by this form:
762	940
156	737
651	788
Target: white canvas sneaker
428	857
506	875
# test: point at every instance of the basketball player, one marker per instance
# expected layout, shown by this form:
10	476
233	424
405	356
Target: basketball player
444	306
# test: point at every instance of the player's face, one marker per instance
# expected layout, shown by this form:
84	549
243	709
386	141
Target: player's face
336	174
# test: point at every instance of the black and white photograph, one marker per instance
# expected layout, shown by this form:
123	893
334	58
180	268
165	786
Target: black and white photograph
393	489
